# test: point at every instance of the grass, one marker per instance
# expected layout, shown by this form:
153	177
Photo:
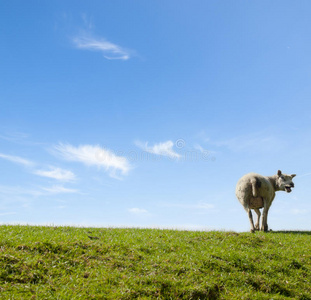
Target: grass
98	263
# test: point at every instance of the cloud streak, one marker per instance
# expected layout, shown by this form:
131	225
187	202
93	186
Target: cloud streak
200	206
14	136
38	192
56	173
109	50
58	189
256	142
297	211
138	211
17	160
164	149
95	156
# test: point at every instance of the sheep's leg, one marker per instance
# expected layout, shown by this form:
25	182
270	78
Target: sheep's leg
250	216
258	218
264	222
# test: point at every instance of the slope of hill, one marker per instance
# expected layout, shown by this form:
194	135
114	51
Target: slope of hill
106	263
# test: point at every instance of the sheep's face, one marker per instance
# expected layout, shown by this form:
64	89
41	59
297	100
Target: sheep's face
284	182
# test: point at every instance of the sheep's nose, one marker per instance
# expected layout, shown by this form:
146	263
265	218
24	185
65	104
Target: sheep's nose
292	184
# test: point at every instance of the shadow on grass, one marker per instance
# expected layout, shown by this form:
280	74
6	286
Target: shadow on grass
292	232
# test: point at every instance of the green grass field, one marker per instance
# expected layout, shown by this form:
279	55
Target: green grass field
100	263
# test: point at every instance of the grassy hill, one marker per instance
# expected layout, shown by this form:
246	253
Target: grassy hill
99	263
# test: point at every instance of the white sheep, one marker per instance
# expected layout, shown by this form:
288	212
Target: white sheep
255	191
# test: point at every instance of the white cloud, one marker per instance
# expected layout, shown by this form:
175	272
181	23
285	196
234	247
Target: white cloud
17	160
57	173
58	189
95	156
110	50
138	211
164	149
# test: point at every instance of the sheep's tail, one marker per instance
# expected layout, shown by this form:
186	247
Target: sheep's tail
254	186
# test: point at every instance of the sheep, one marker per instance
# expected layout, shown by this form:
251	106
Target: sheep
255	191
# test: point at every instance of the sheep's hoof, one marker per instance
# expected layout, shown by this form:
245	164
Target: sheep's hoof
252	230
264	228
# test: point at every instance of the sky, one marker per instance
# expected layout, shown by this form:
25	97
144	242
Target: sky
147	113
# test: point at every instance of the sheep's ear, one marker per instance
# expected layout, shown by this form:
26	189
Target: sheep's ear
293	175
279	173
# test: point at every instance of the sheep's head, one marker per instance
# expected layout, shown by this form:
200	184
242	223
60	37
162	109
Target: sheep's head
284	182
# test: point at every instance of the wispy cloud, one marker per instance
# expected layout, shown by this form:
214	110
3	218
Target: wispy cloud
14	136
297	211
87	21
260	141
18	137
202	136
138	211
37	192
200	148
303	175
17	160
95	156
203	150
200	205
58	189
8	213
19	191
109	50
56	173
164	149
204	206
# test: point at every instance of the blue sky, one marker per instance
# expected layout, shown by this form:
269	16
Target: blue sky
146	113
